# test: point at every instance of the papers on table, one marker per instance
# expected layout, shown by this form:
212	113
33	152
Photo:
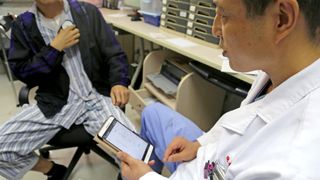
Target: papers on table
181	42
117	15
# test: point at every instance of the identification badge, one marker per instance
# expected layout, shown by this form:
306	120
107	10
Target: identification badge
214	171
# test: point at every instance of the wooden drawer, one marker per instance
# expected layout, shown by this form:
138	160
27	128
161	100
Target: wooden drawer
140	98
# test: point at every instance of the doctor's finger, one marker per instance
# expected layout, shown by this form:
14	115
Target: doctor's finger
177	157
172	149
151	163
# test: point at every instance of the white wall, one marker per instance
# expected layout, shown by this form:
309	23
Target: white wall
14	8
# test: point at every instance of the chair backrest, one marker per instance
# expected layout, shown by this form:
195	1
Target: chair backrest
23	95
6	22
5	26
26	95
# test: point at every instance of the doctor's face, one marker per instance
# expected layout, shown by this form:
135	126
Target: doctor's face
244	40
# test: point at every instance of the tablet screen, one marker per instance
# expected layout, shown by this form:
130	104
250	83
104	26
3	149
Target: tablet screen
127	141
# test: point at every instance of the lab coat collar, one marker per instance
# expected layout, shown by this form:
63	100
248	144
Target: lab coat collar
290	92
259	83
276	102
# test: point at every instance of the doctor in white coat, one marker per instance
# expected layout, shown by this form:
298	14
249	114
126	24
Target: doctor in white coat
275	134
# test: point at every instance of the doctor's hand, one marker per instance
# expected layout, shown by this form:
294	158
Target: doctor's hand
119	95
133	169
180	150
66	38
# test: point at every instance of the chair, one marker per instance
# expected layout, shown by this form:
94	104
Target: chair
5	26
76	136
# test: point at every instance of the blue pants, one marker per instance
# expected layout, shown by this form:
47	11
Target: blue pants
159	126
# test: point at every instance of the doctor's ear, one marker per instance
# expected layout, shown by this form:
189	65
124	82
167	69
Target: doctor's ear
287	17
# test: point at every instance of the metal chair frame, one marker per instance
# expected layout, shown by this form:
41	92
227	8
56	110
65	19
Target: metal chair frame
3	35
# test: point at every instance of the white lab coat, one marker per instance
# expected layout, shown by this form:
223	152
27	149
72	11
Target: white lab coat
277	137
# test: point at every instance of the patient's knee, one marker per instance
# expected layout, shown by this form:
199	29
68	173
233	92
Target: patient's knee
152	110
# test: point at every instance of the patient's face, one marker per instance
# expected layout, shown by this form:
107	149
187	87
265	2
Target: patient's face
47	2
49	7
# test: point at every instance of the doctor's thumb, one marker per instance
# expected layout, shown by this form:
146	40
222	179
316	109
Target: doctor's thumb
126	158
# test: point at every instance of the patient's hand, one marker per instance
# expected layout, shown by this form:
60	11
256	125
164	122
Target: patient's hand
119	95
66	38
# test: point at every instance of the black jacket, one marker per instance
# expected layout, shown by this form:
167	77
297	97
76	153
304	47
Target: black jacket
38	64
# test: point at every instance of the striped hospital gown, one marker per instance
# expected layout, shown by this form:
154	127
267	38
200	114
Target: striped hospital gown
29	129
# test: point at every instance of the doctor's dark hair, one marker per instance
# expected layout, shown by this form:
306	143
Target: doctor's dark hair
310	9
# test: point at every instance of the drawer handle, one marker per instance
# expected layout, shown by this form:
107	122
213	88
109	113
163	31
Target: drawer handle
197	29
202	21
199	37
172	13
203	13
173	6
204	4
171	20
170	27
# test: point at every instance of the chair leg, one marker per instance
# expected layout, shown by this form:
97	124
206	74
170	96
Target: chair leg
73	162
103	154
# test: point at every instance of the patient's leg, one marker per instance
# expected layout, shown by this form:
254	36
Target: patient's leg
160	125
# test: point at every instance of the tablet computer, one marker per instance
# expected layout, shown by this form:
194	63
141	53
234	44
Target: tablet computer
118	137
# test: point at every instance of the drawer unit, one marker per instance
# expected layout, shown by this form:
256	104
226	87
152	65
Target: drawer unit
196	98
174	19
173	26
178	5
175	12
191	17
197	27
204	11
201	19
203	36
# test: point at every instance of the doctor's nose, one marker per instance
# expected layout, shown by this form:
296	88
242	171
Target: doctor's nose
216	27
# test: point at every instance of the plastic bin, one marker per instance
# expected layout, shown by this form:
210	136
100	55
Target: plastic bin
151	6
151	18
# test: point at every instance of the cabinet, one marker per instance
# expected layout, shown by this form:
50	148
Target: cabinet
196	98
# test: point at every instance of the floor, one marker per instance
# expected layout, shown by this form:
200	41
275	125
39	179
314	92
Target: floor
91	167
